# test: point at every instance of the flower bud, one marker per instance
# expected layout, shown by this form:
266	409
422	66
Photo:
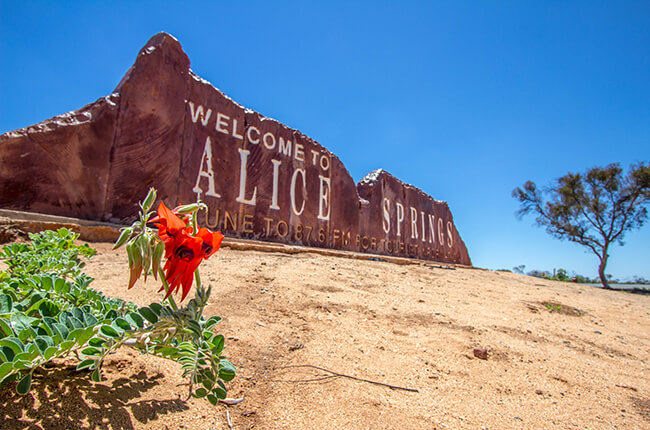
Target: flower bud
149	200
186	209
124	236
155	259
129	253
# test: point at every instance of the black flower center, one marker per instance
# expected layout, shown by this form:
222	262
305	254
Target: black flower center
184	253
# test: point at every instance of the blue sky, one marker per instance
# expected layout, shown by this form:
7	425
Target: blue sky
466	100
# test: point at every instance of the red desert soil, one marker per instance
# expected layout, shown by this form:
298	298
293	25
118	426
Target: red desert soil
583	365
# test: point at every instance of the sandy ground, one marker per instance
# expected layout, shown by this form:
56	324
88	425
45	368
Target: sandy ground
584	366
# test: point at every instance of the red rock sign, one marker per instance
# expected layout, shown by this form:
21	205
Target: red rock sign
166	127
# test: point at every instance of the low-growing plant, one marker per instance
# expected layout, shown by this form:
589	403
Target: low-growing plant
48	310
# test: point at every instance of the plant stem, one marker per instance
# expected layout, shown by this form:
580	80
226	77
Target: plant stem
172	303
198	278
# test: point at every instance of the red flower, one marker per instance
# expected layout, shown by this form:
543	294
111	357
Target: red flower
183	251
170	226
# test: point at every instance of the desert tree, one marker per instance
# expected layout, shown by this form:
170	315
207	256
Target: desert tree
594	209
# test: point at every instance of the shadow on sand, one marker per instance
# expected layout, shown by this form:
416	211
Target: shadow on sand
66	399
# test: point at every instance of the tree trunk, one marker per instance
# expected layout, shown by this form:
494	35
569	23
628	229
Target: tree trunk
601	270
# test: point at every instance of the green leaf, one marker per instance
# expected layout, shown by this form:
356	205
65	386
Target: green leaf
208	383
201	392
156	307
20	364
212	321
78	314
220	390
123	324
24	384
42	343
96	342
148	314
88	332
5	328
213	399
73	323
135	320
109	331
27	334
217	344
5	303
5	369
74	334
227	372
50	352
34	305
67	345
96	376
20	321
13	343
84	364
60	330
47	283
89	319
165	350
91	352
59	286
26	356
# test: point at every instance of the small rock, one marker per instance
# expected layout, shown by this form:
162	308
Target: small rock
480	353
539	392
597	332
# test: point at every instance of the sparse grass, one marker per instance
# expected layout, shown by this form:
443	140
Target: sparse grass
562	309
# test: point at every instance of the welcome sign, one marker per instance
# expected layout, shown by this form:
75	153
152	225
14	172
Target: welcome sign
166	127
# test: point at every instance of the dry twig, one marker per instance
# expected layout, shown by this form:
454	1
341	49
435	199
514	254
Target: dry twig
394	387
231	402
228	419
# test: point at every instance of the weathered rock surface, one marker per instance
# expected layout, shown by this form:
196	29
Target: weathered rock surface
166	127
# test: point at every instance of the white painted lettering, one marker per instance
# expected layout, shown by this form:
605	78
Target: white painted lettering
269	137
450	239
292	191
222	123
324	198
441	233
276	174
400	217
324	162
256	140
314	155
386	220
234	130
285	147
414	223
208	173
299	153
432	234
423	227
198	113
243	154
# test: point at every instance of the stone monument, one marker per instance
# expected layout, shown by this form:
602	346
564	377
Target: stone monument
164	126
